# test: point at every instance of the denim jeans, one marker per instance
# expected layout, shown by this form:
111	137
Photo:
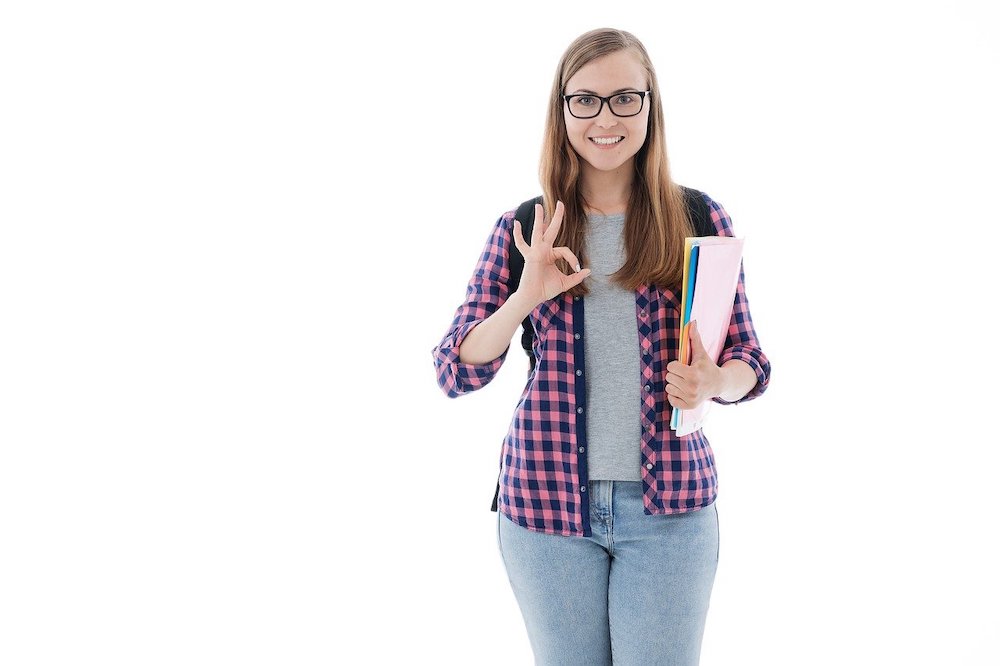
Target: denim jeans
634	592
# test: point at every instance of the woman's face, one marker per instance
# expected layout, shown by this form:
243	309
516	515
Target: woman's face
604	76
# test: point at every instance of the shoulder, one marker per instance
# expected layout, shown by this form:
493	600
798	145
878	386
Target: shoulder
699	197
523	212
505	223
714	210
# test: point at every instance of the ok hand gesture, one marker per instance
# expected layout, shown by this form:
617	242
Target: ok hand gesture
541	280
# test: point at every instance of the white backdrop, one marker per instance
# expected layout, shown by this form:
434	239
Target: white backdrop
232	233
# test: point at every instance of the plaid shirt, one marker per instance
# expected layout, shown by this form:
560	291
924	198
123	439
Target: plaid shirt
543	461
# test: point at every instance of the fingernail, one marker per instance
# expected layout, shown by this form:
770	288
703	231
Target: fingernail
578	268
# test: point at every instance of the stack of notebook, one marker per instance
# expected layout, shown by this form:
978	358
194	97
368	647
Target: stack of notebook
711	274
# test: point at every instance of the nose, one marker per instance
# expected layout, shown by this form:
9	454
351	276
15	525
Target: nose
605	118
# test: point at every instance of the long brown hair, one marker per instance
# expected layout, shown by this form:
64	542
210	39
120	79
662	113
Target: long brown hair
656	219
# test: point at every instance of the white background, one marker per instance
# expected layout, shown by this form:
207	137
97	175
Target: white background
232	233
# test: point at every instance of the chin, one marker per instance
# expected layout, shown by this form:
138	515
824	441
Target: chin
606	163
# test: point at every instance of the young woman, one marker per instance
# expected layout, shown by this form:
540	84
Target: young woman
607	524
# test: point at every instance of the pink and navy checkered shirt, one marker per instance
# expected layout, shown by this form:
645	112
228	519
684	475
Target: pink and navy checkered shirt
543	462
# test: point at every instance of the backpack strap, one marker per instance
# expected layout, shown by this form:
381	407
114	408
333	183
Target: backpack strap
698	211
526	216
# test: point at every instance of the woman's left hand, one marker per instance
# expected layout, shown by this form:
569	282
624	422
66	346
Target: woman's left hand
690	385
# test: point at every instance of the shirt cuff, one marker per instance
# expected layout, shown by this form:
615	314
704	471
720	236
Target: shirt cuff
749	356
468	376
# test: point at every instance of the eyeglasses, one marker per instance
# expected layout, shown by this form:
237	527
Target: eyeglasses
622	104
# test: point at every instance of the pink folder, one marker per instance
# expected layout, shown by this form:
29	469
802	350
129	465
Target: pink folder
718	274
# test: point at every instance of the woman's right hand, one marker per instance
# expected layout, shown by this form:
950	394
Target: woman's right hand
541	280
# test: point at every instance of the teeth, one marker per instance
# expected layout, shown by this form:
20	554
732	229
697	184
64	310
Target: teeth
606	142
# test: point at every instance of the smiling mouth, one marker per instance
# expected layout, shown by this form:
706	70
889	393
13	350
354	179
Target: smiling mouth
607	142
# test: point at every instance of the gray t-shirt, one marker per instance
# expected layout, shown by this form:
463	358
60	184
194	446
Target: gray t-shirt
611	350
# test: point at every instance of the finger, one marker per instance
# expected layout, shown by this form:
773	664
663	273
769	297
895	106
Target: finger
678	402
519	241
678	369
577	278
678	383
697	344
536	228
552	230
568	255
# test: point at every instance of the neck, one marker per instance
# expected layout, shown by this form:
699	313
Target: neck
608	191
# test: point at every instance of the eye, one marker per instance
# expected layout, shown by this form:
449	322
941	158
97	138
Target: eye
585	100
626	98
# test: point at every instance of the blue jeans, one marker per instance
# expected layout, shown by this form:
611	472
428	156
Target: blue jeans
635	592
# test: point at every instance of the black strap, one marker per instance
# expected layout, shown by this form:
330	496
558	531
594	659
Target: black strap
701	220
526	216
497	493
698	211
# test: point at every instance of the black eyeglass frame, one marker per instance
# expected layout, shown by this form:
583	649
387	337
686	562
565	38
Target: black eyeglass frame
643	94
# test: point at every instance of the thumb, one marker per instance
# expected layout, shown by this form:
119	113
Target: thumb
577	278
697	346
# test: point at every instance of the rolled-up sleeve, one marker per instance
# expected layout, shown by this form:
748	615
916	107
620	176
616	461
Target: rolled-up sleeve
741	341
486	292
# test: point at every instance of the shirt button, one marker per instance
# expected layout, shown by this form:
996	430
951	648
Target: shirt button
579	372
642	315
576	335
647	387
581	449
649	465
576	298
579	410
583	489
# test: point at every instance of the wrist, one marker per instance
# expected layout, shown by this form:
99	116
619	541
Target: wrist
522	304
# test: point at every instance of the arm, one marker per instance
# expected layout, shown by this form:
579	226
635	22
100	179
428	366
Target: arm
738	378
741	357
462	368
490	338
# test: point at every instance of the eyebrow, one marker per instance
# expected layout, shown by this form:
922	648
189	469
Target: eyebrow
591	92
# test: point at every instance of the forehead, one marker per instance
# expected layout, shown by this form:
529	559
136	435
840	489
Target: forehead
608	74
